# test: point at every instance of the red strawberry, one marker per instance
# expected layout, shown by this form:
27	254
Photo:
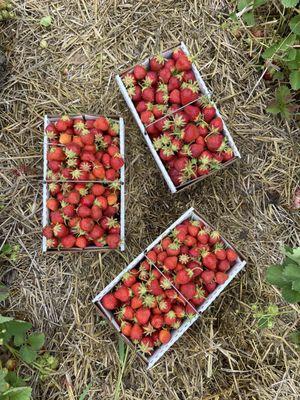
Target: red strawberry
96	212
164	75
60	230
203	236
207	276
183	63
187	95
170	262
83	211
190	133
113	240
96	233
217	124
61	125
188	290
141	106
209	260
223	265
183	276
164	336
142	315
151	78
214	237
220	253
136	333
129	279
193	228
208	113
69	210
122	294
174	83
109	301
139	72
68	241
156	63
48	232
210	287
179	311
154	287
81	242
161	97
126	328
165	305
148	94
56	217
151	255
147	344
157	321
188	76
192	111
136	302
174	96
231	256
73	197
52	204
170	64
190	241
177	53
87	224
202	129
52	243
221	277
147	117
214	141
170	318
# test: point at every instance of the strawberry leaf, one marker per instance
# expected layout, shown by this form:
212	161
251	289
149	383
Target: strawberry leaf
249	18
27	354
36	341
289	3
273	109
294	24
19	393
258	3
291	272
243	4
275	276
293	254
290	295
295	337
296	285
281	46
295	79
4	319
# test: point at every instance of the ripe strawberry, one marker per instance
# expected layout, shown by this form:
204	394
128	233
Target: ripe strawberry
209	113
61	125
83	211
52	204
183	276
207	276
151	255
96	233
154	287
183	63
68	241
202	129
179	311
48	232
216	124
193	228
170	64
170	318
139	72
220	252
199	297
231	256
128	279
101	123
68	210
81	242
164	75
170	262
188	76
221	277
60	230
227	154
127	313
117	162
126	328
136	333
209	260
99	171
56	217
147	117
188	290
214	237
87	224
72	150
192	111
151	78
190	133
203	236
136	302
174	83
52	243
214	141
142	315
157	321
190	241
148	95
96	212
141	106
158	110
122	293
173	249
161	96
156	63
210	287
164	336
113	240
54	166
165	305
109	301
187	95
135	92
174	96
223	266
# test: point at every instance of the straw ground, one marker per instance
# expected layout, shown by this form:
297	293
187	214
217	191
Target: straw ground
224	355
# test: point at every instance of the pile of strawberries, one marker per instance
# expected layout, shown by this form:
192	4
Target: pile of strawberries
84	163
82	215
83	150
168	286
180	120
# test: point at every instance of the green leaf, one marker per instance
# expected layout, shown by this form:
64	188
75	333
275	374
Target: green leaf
46	21
85	392
14	380
282	93
233	16
291	272
295	337
4	292
278	75
6	249
249	18
243	4
295	79
296	285
275	276
36	340
18	327
292	65
20	393
258	3
4	319
289	3
294	24
290	295
273	109
3	384
19	339
27	354
291	54
281	46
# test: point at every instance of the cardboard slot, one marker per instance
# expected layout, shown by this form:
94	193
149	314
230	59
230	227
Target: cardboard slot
45	213
149	142
176	334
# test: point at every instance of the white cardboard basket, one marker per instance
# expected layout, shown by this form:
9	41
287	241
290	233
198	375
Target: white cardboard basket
140	124
152	360
45	211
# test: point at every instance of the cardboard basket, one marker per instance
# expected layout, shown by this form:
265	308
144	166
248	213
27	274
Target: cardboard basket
176	334
45	211
205	91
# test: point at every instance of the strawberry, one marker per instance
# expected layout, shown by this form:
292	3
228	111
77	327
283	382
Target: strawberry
126	312
183	63
128	279
129	79
56	217
190	133
68	210
223	266
171	294
101	123
52	204
188	95
188	76
61	125
214	237
173	249
113	240
207	276
142	315
170	262
141	106
148	95
170	318
161	257
183	276
48	232
109	301
174	96
209	260
170	64
60	230
220	252
157	321
193	227
122	294
68	241
203	236
179	311
81	242
126	328
136	302
227	154
96	212
147	117
151	255
156	63
209	113
174	83
96	233
139	72
164	336
117	162
188	290
52	243
146	346
210	287
83	211
216	124
164	75
192	111
165	305
151	78
231	256
214	141
87	224
154	287
190	241
136	333
221	277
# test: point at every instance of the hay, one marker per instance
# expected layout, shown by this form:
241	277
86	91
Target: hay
224	355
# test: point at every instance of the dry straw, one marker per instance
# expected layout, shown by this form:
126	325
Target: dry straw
224	356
